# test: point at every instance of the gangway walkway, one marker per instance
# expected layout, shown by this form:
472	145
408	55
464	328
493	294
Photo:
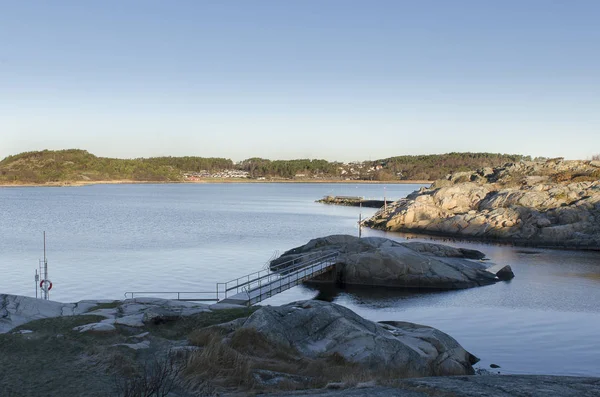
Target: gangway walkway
255	287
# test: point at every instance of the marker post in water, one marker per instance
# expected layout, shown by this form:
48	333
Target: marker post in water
360	220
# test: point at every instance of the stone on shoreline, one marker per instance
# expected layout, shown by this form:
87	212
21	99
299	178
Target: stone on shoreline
505	273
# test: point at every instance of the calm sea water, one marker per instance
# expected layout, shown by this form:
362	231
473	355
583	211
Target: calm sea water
105	240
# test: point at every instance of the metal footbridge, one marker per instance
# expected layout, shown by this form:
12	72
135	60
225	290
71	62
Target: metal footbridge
255	287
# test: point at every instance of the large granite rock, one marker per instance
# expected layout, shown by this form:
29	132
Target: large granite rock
16	310
553	203
316	328
379	261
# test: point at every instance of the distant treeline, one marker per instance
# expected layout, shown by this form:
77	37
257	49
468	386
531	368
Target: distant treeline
258	167
436	166
79	165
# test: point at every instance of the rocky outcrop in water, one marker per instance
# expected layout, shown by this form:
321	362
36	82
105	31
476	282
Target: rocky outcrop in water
352	201
377	261
554	203
317	329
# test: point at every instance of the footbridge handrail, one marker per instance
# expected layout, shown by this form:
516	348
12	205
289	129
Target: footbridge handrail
285	274
259	278
181	296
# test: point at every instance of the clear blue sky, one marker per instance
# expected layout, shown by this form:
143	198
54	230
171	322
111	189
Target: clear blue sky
334	79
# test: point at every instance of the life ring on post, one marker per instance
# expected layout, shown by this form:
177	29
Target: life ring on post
46	284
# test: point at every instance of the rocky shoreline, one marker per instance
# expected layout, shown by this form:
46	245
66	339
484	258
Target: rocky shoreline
221	348
554	204
184	349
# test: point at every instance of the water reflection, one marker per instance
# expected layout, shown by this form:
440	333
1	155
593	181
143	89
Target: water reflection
375	297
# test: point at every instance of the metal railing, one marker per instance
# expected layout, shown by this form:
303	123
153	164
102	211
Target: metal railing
271	286
258	279
289	274
384	210
187	296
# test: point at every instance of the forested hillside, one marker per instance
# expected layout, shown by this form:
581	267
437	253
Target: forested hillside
79	165
436	166
76	165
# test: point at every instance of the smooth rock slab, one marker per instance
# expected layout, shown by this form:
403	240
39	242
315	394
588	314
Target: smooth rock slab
377	261
316	328
135	346
132	320
16	310
95	327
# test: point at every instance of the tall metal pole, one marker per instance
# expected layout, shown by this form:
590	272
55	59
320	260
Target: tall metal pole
360	221
384	201
45	288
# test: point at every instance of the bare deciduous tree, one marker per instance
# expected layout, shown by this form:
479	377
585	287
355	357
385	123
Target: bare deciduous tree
154	378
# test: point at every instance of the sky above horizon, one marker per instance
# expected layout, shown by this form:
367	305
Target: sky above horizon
336	79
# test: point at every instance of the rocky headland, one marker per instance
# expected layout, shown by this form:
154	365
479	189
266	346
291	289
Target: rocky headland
555	203
376	261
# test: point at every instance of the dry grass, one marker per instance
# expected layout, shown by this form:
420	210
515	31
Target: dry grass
186	326
231	362
154	377
569	176
217	363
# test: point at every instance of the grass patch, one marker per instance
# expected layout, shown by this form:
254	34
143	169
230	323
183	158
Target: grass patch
57	325
106	305
571	177
221	364
54	360
184	326
233	360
